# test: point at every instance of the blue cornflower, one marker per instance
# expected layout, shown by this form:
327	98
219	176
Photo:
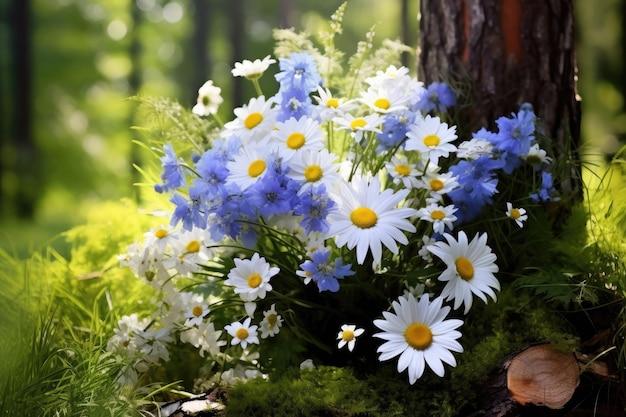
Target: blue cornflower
516	133
436	97
298	72
547	192
293	103
314	206
324	271
477	184
271	195
192	211
394	129
213	173
173	175
231	215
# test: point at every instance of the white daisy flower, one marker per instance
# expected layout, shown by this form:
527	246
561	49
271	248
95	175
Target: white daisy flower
470	269
517	214
248	166
204	337
315	168
392	77
423	252
251	277
190	250
252	69
161	237
272	322
243	333
196	314
328	106
432	138
402	171
209	99
472	149
419	333
441	217
254	120
357	126
368	218
537	156
348	335
294	136
384	100
438	184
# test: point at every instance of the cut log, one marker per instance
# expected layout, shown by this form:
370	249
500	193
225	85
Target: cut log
543	376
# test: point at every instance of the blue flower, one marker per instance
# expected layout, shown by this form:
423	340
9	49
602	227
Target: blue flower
326	272
298	72
173	175
394	129
477	184
272	195
437	97
314	206
293	103
192	212
516	133
547	192
231	214
213	173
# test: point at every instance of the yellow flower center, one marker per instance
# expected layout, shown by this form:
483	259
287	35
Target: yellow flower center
418	336
402	170
358	123
313	173
382	103
193	246
254	280
160	234
515	214
437	215
296	140
241	334
332	102
256	168
436	184
271	320
464	268
431	140
253	120
197	311
347	335
363	217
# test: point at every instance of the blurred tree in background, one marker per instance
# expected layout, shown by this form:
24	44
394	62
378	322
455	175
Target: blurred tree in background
68	66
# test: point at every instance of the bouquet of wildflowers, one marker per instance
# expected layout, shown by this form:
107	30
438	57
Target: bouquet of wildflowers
341	218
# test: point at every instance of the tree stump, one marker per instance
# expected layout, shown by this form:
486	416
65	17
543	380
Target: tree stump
542	376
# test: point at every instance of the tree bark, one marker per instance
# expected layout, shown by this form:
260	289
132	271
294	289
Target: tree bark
504	53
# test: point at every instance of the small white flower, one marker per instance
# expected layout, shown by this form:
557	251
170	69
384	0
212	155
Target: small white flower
357	126
348	335
432	137
470	269
537	156
251	277
384	100
196	314
441	217
472	149
328	106
418	332
295	136
369	218
271	324
438	184
402	171
161	237
209	99
243	333
248	166
254	120
315	168
517	214
204	337
252	69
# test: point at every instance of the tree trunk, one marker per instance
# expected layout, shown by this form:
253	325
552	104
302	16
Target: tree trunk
508	52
